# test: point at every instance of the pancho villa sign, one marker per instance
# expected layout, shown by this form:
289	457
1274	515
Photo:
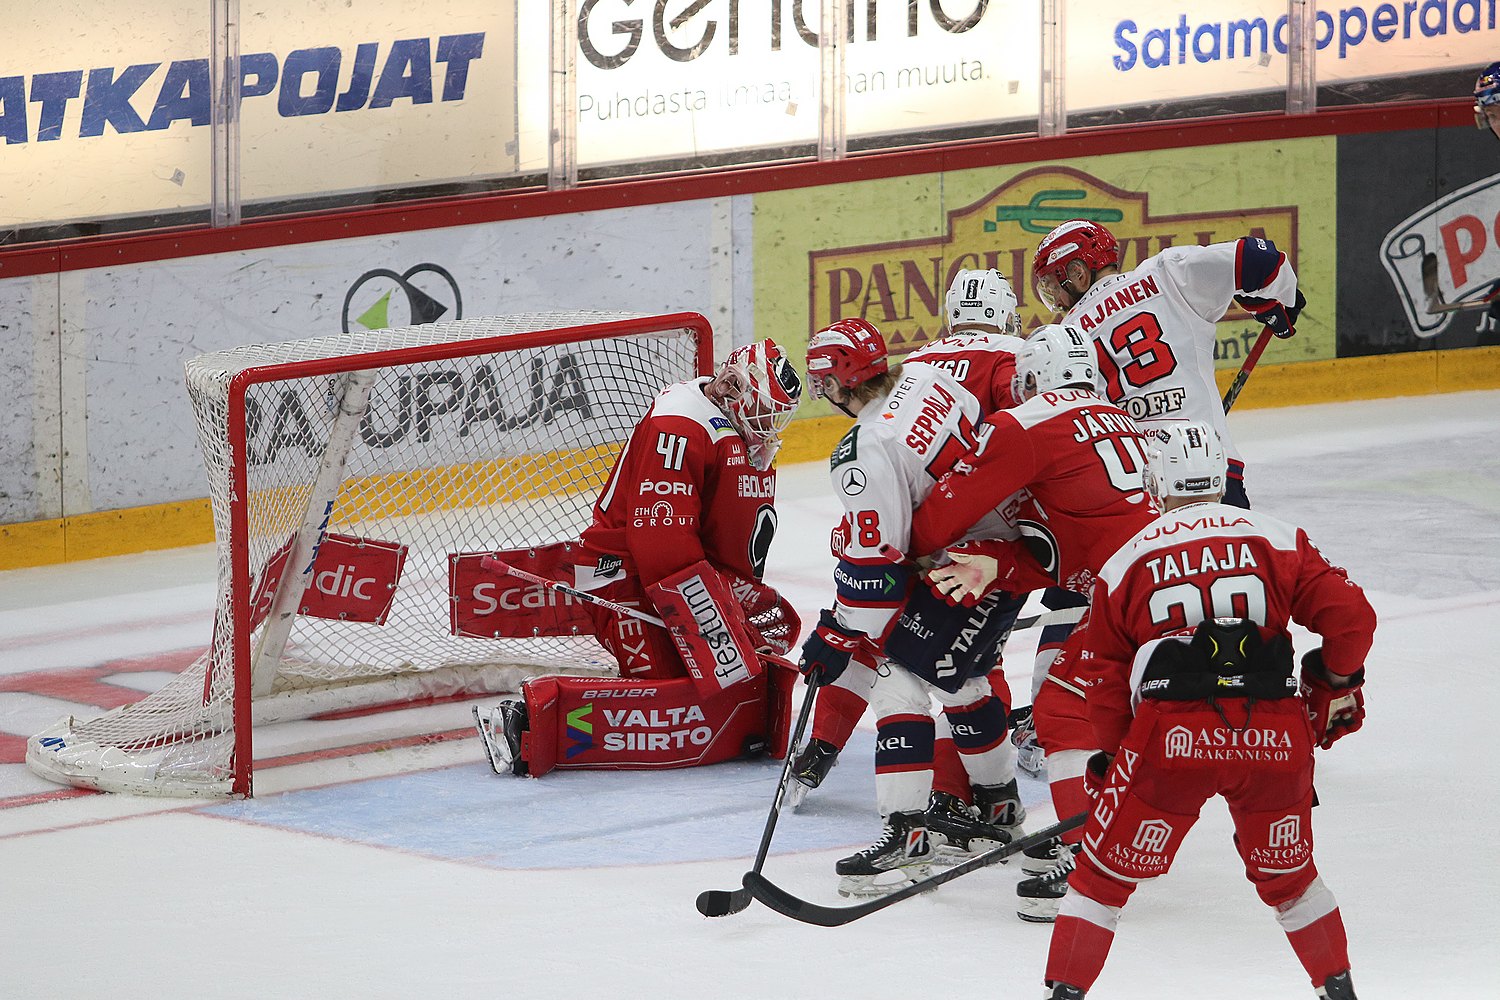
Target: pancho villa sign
899	286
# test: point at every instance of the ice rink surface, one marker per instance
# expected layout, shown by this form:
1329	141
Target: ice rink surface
413	871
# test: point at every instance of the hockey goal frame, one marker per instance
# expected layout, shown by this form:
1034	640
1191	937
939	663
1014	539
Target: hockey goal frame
241	650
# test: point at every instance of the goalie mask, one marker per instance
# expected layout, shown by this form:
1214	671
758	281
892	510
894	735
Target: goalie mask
981	299
1055	357
758	390
1075	240
1185	461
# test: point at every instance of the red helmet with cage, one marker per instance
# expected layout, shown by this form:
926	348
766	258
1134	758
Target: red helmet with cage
851	350
1078	239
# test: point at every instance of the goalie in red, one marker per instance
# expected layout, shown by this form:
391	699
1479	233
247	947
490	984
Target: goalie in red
1193	695
683	527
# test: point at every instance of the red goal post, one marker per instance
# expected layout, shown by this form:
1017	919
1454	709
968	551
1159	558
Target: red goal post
348	476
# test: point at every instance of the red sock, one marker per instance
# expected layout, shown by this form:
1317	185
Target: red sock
1322	947
836	714
1069	799
948	774
1077	952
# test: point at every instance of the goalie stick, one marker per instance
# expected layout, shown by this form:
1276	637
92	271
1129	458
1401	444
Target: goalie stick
809	912
497	565
722	902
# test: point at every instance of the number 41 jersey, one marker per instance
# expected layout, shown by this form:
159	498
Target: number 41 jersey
683	490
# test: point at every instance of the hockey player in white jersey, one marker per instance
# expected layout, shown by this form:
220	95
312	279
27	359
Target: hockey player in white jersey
911	423
1154	325
979	351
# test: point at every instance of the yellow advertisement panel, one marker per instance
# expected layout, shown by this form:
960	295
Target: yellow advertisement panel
885	250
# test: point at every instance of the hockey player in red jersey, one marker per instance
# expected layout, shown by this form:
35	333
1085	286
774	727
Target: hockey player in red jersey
1072	466
1193	695
979	352
682	527
1154	325
911	422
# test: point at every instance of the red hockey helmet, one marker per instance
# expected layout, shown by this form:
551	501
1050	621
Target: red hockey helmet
851	350
758	389
1078	239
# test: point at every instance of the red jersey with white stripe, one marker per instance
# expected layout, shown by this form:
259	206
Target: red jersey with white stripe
682	490
882	469
1212	560
1081	461
1154	327
983	363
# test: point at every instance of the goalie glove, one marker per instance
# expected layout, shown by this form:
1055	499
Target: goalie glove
1335	711
972	574
1279	318
826	653
770	614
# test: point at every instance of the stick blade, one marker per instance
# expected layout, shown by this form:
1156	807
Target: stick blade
722	902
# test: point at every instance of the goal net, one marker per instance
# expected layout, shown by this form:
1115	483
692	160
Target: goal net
356	481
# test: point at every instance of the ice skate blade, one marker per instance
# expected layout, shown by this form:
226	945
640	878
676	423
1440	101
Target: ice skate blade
795	795
1037	911
947	855
866	886
497	750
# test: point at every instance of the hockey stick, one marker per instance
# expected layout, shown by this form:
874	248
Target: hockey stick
497	565
1243	375
808	912
722	902
1434	292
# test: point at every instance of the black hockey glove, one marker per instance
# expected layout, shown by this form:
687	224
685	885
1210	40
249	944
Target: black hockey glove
827	652
1281	319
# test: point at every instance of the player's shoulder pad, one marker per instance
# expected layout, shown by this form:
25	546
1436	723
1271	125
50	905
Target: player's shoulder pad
685	400
847	450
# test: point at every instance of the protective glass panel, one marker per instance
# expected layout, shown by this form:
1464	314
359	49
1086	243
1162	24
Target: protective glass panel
693	84
347	102
1154	60
1370	52
926	72
104	118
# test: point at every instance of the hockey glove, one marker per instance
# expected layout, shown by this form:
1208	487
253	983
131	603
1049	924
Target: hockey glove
1280	318
770	614
1336	709
965	580
1096	774
826	653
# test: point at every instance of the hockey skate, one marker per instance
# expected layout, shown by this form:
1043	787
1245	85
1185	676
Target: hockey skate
960	833
1037	899
500	728
812	765
1339	987
903	854
1000	805
1061	991
1029	754
1039	860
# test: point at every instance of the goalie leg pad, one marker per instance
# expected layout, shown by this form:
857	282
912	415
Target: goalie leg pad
640	649
628	724
709	628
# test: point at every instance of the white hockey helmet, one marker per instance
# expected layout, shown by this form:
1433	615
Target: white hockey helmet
1053	357
981	298
1185	461
758	390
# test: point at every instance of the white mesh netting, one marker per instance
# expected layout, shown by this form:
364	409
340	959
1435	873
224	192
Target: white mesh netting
469	444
